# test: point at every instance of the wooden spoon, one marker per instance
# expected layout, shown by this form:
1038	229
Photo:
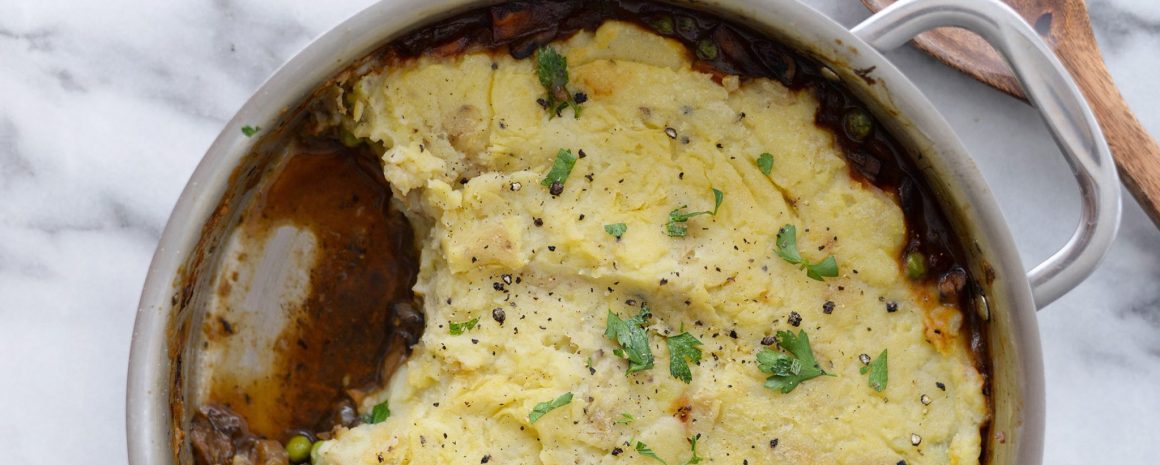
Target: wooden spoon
1065	26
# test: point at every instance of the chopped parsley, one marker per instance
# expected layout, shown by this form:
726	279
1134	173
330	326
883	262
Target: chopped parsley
249	131
552	69
633	340
786	371
642	449
543	408
379	413
682	349
788	250
877	370
765	163
677	225
695	459
625	418
459	328
616	229
561	168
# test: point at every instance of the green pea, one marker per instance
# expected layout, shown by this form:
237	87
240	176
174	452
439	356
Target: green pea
706	50
314	451
298	448
915	265
662	24
686	26
858	124
348	139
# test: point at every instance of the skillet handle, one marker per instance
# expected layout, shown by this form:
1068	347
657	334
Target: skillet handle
1052	90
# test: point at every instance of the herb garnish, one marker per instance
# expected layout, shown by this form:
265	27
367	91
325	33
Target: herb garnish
625	418
786	371
561	168
249	131
765	163
695	459
683	348
677	227
552	69
616	229
378	414
788	250
543	408
633	340
643	449
877	370
459	328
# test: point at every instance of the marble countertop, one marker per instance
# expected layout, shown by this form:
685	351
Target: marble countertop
105	109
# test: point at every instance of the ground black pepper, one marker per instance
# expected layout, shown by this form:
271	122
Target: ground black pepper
795	318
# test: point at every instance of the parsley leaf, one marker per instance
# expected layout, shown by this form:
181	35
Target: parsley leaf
828	268
561	168
676	227
378	414
459	328
249	131
677	216
633	340
877	370
544	407
787	244
787	249
552	69
695	459
625	418
765	163
683	347
643	449
616	229
786	371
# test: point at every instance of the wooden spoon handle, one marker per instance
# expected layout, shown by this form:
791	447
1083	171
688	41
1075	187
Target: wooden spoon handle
1137	154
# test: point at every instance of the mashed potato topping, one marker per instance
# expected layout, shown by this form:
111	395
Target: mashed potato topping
528	278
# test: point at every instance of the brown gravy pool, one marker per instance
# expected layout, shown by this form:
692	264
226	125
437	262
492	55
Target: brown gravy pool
358	316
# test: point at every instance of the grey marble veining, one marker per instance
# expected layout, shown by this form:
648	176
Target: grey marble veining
1120	21
106	108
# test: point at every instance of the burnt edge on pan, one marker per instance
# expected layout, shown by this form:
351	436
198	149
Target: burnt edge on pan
720	47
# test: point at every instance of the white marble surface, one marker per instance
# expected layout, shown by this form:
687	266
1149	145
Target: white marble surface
106	107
